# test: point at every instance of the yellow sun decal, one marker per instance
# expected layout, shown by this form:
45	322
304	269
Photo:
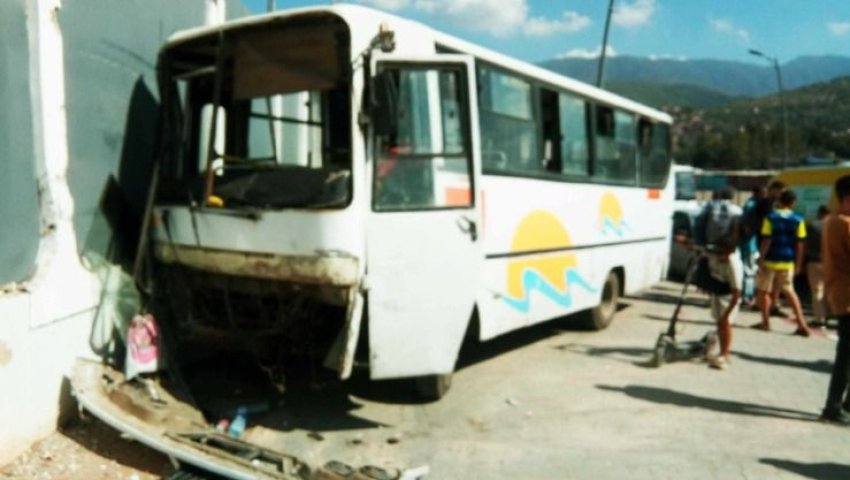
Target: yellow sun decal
549	267
611	221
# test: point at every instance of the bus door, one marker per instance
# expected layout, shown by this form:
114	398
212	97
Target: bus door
423	231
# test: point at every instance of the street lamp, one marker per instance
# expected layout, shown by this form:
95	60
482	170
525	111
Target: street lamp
601	68
781	101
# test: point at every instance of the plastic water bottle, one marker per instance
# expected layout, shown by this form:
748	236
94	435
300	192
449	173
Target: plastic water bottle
237	426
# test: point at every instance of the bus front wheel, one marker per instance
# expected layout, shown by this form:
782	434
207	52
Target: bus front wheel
433	387
600	316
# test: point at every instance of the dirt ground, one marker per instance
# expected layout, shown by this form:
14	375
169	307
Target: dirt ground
87	449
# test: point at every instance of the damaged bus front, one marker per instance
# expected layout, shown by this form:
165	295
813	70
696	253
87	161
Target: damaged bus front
255	245
286	141
251	256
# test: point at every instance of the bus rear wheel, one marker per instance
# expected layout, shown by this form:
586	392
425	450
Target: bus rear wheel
600	316
433	387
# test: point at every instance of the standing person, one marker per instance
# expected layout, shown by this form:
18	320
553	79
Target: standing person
814	267
763	208
782	247
722	220
767	203
836	275
748	245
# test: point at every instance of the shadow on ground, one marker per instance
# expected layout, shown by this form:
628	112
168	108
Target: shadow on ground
687	400
821	366
639	357
810	470
402	391
326	408
706	321
106	442
474	352
672	299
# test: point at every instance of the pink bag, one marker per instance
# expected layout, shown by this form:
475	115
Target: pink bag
142	346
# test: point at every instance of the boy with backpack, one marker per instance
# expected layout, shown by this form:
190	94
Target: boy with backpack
781	251
719	227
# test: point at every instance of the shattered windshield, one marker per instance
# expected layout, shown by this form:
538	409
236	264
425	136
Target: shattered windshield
261	118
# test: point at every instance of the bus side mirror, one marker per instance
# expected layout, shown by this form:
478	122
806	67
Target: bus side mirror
383	110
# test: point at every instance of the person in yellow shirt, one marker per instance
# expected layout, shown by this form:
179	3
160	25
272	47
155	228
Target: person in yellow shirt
783	234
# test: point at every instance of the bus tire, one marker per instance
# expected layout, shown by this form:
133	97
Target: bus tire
601	316
433	387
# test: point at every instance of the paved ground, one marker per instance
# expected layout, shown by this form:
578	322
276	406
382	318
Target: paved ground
552	402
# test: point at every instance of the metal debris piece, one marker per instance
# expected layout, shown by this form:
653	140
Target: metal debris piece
415	473
371	472
153	393
334	470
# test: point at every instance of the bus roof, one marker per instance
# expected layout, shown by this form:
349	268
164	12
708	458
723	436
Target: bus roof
353	14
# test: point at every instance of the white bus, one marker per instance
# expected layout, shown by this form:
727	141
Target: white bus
331	171
340	185
337	183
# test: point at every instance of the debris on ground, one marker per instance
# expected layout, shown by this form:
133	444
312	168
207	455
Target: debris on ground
356	440
395	438
87	450
416	473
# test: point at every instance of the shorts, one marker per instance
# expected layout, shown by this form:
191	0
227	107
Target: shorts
768	279
726	268
719	304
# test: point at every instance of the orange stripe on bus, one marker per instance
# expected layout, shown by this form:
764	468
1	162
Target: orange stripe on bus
458	197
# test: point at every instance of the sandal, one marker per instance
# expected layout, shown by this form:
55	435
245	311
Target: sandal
802	332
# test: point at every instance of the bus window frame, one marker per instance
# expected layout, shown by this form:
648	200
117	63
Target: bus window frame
380	64
591	105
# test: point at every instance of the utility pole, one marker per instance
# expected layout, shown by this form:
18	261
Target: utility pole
778	71
602	52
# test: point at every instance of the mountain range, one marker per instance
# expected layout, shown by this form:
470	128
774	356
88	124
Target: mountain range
699	83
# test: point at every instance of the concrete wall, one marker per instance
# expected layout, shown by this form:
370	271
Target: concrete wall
18	194
78	96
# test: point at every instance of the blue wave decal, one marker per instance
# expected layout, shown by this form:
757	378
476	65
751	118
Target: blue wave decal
610	227
532	280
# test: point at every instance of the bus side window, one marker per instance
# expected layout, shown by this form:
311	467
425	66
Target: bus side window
509	136
552	135
615	159
625	136
654	155
605	152
575	148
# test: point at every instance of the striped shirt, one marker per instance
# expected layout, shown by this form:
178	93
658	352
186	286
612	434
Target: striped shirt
784	229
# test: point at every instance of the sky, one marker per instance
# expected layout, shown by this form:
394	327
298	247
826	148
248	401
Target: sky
537	30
